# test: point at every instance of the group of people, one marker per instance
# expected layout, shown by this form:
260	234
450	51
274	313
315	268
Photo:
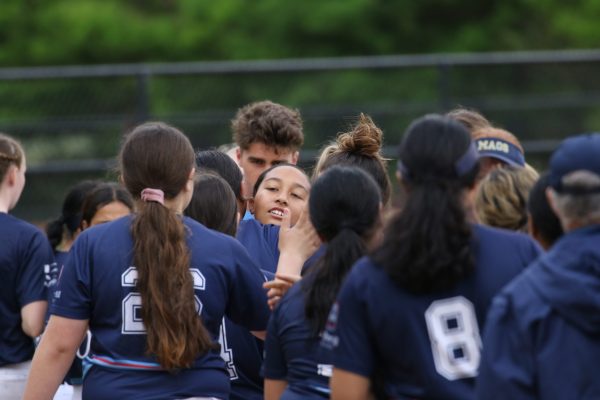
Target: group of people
214	275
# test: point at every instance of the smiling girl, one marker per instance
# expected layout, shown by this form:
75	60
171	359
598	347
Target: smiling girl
281	186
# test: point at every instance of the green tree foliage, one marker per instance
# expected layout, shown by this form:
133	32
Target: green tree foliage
117	31
83	118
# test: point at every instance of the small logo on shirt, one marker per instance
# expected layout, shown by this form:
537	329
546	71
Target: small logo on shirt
51	272
325	370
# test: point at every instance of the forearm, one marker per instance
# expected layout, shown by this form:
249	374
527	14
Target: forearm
274	388
48	369
346	385
290	263
54	356
32	318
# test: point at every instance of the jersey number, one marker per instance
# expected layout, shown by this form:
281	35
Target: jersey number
454	335
132	303
227	352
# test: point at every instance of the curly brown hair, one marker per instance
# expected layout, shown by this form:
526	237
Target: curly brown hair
269	123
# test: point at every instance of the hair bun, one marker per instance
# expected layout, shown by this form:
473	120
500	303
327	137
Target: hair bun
365	138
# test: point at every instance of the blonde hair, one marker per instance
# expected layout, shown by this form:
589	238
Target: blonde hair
360	147
471	119
11	152
501	198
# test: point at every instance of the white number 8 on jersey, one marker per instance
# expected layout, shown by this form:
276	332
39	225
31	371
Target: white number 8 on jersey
454	336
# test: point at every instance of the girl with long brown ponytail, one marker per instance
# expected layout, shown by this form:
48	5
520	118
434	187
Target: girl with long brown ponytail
152	287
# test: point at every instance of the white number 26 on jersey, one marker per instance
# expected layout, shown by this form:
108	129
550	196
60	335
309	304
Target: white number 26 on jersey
454	336
132	303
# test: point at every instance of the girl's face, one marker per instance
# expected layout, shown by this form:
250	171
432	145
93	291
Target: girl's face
283	187
110	212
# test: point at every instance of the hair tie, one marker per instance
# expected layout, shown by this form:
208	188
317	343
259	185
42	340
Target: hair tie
156	195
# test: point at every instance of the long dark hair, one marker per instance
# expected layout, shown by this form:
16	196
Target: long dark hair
427	245
103	194
213	204
158	156
69	220
344	207
221	164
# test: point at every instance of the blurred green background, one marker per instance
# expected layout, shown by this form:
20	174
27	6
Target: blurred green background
71	119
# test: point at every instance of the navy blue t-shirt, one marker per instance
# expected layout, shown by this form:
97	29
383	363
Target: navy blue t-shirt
292	351
98	284
243	355
422	346
75	373
25	256
242	351
261	241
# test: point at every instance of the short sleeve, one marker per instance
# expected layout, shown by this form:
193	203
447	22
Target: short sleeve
72	299
247	304
275	366
36	260
506	369
261	242
346	335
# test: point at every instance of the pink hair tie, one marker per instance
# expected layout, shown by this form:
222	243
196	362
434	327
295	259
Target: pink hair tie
156	195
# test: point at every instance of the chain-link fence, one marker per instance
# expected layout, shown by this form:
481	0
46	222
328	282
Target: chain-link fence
71	119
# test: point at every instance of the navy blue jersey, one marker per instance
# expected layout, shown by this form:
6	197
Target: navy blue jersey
423	346
75	373
60	258
98	283
292	351
542	336
242	351
243	355
261	241
25	256
52	273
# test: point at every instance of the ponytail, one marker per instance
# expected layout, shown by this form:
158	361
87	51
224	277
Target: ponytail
328	274
427	247
54	231
69	221
344	208
175	333
159	156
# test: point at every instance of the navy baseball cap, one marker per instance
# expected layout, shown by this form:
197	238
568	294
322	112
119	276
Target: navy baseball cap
501	150
576	153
